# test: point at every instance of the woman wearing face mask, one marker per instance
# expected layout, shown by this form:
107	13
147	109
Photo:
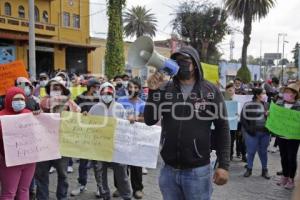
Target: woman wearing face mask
15	181
32	102
257	138
289	148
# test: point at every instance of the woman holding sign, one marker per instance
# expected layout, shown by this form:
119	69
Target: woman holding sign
15	181
289	148
253	120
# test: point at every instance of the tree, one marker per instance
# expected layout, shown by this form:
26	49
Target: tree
248	11
139	21
296	54
203	25
114	54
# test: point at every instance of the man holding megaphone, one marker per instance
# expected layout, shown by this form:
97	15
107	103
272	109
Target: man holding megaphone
187	106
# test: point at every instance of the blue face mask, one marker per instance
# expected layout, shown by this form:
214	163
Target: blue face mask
27	91
18	106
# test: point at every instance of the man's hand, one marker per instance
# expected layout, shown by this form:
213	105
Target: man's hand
221	176
131	119
155	81
36	112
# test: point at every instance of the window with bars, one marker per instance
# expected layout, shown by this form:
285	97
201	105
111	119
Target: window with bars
66	19
76	21
7	9
21	12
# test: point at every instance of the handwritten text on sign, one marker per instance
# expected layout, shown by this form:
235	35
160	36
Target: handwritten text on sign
9	73
284	122
88	137
136	144
30	139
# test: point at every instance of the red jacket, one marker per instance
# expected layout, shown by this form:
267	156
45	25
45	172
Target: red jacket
8	110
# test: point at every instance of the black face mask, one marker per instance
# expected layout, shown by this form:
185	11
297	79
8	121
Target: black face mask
119	85
184	70
133	94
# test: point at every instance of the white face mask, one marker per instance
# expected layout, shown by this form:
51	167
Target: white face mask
107	98
125	83
27	91
55	93
18	106
43	83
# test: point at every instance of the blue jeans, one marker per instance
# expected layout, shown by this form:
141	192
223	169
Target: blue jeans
259	143
42	179
82	171
190	184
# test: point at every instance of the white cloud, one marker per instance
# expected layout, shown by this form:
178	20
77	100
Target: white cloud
283	18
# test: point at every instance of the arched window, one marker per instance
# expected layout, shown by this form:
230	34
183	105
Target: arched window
36	14
7	9
45	16
21	12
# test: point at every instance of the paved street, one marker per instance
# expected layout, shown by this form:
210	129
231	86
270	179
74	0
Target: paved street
239	188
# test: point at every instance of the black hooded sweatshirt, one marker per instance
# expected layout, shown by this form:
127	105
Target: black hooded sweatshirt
186	143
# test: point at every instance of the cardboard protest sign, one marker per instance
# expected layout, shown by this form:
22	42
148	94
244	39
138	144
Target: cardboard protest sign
87	137
136	144
9	72
30	139
284	122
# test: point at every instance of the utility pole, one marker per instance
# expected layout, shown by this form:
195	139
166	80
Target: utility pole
282	56
32	61
298	63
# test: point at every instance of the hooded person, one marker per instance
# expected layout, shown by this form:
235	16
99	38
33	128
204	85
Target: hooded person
187	108
32	102
15	181
109	108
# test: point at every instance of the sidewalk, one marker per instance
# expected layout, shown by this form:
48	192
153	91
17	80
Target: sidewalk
238	188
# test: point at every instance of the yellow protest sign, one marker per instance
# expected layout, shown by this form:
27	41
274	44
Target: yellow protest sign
211	72
9	73
87	137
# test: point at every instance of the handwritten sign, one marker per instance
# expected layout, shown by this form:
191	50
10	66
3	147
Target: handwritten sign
232	111
242	99
136	144
87	137
30	139
211	72
9	72
284	122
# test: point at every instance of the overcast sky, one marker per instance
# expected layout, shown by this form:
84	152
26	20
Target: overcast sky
284	18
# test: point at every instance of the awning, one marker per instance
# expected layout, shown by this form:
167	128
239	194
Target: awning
89	46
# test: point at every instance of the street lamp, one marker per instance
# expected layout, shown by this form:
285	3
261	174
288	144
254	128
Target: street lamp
278	41
283	45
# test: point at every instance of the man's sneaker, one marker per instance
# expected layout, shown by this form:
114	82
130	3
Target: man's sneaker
80	189
283	181
290	184
98	195
116	194
52	170
145	171
138	194
70	169
274	149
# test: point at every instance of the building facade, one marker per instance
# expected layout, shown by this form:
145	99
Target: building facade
62	34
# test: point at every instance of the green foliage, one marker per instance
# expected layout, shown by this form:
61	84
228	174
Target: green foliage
244	74
139	21
114	54
203	25
247	11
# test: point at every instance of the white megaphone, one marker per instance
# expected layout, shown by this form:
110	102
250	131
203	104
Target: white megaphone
142	53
